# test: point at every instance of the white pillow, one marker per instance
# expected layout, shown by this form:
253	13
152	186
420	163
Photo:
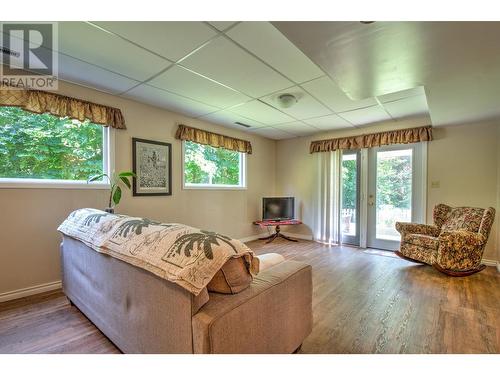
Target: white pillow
268	260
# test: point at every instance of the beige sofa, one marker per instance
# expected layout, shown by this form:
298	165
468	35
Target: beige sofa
142	313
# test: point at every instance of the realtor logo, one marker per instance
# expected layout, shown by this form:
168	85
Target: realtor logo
28	55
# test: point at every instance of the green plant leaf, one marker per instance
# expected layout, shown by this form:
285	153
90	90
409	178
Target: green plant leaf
97	177
117	195
127	174
126	181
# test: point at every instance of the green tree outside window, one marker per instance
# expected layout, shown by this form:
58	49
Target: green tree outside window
44	146
210	166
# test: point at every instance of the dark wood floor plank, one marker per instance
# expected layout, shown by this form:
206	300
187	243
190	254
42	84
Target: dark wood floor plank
362	303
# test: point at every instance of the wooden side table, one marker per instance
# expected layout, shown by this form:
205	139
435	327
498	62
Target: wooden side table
276	224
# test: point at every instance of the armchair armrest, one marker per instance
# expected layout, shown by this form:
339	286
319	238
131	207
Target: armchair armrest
458	239
460	250
428	230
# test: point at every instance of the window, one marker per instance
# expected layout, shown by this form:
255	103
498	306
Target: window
210	167
46	149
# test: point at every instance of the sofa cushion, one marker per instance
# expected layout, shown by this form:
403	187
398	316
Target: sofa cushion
463	218
232	278
421	240
420	253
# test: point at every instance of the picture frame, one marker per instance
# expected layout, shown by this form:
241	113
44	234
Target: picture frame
152	165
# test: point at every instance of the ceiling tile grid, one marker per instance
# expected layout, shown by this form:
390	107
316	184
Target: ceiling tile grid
80	72
226	63
184	82
164	99
224	72
331	122
108	51
172	40
261	112
277	50
297	128
230	119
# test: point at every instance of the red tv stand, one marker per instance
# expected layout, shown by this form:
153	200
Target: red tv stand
277	233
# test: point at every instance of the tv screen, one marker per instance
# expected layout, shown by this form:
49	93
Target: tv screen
278	208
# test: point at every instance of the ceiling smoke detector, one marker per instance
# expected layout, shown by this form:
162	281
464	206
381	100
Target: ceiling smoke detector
287	100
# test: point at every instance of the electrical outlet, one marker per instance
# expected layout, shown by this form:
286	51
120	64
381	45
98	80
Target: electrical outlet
435	184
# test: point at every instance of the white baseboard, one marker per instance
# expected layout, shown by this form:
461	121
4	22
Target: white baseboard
252	238
489	262
299	236
265	234
15	294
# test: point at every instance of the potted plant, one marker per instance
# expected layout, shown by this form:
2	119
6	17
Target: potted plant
115	193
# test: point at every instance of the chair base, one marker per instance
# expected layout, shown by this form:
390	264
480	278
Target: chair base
459	273
398	253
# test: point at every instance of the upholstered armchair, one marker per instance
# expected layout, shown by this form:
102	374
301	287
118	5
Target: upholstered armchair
454	244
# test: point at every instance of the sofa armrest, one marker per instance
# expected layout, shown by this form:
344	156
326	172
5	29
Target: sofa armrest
428	230
273	315
460	250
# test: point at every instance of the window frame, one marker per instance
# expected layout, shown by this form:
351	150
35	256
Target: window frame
243	175
39	183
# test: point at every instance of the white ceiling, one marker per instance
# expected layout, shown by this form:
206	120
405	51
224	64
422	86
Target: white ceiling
224	72
458	63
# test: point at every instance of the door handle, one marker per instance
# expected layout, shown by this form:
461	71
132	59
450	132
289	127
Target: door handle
371	201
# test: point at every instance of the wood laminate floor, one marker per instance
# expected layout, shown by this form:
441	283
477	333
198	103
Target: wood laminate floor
362	303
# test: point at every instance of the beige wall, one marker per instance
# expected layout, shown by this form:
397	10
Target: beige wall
29	253
464	159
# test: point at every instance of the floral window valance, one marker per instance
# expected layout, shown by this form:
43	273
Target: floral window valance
413	135
47	102
186	133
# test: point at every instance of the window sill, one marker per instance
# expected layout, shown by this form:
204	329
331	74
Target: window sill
213	187
27	183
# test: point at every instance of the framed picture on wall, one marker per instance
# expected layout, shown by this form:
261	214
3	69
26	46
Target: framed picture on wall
152	164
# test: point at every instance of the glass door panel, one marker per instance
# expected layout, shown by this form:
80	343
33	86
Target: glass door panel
394	192
349	215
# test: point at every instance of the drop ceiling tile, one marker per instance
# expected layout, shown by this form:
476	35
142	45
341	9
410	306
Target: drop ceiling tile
402	94
305	107
261	112
330	122
366	115
222	25
273	133
172	102
172	40
228	118
277	50
80	72
297	128
407	107
88	43
226	63
181	81
329	92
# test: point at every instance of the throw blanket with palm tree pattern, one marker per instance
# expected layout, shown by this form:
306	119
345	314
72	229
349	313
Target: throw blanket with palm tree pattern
178	253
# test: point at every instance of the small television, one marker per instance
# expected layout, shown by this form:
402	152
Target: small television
278	208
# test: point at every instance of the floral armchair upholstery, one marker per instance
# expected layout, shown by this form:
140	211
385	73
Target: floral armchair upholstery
454	244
